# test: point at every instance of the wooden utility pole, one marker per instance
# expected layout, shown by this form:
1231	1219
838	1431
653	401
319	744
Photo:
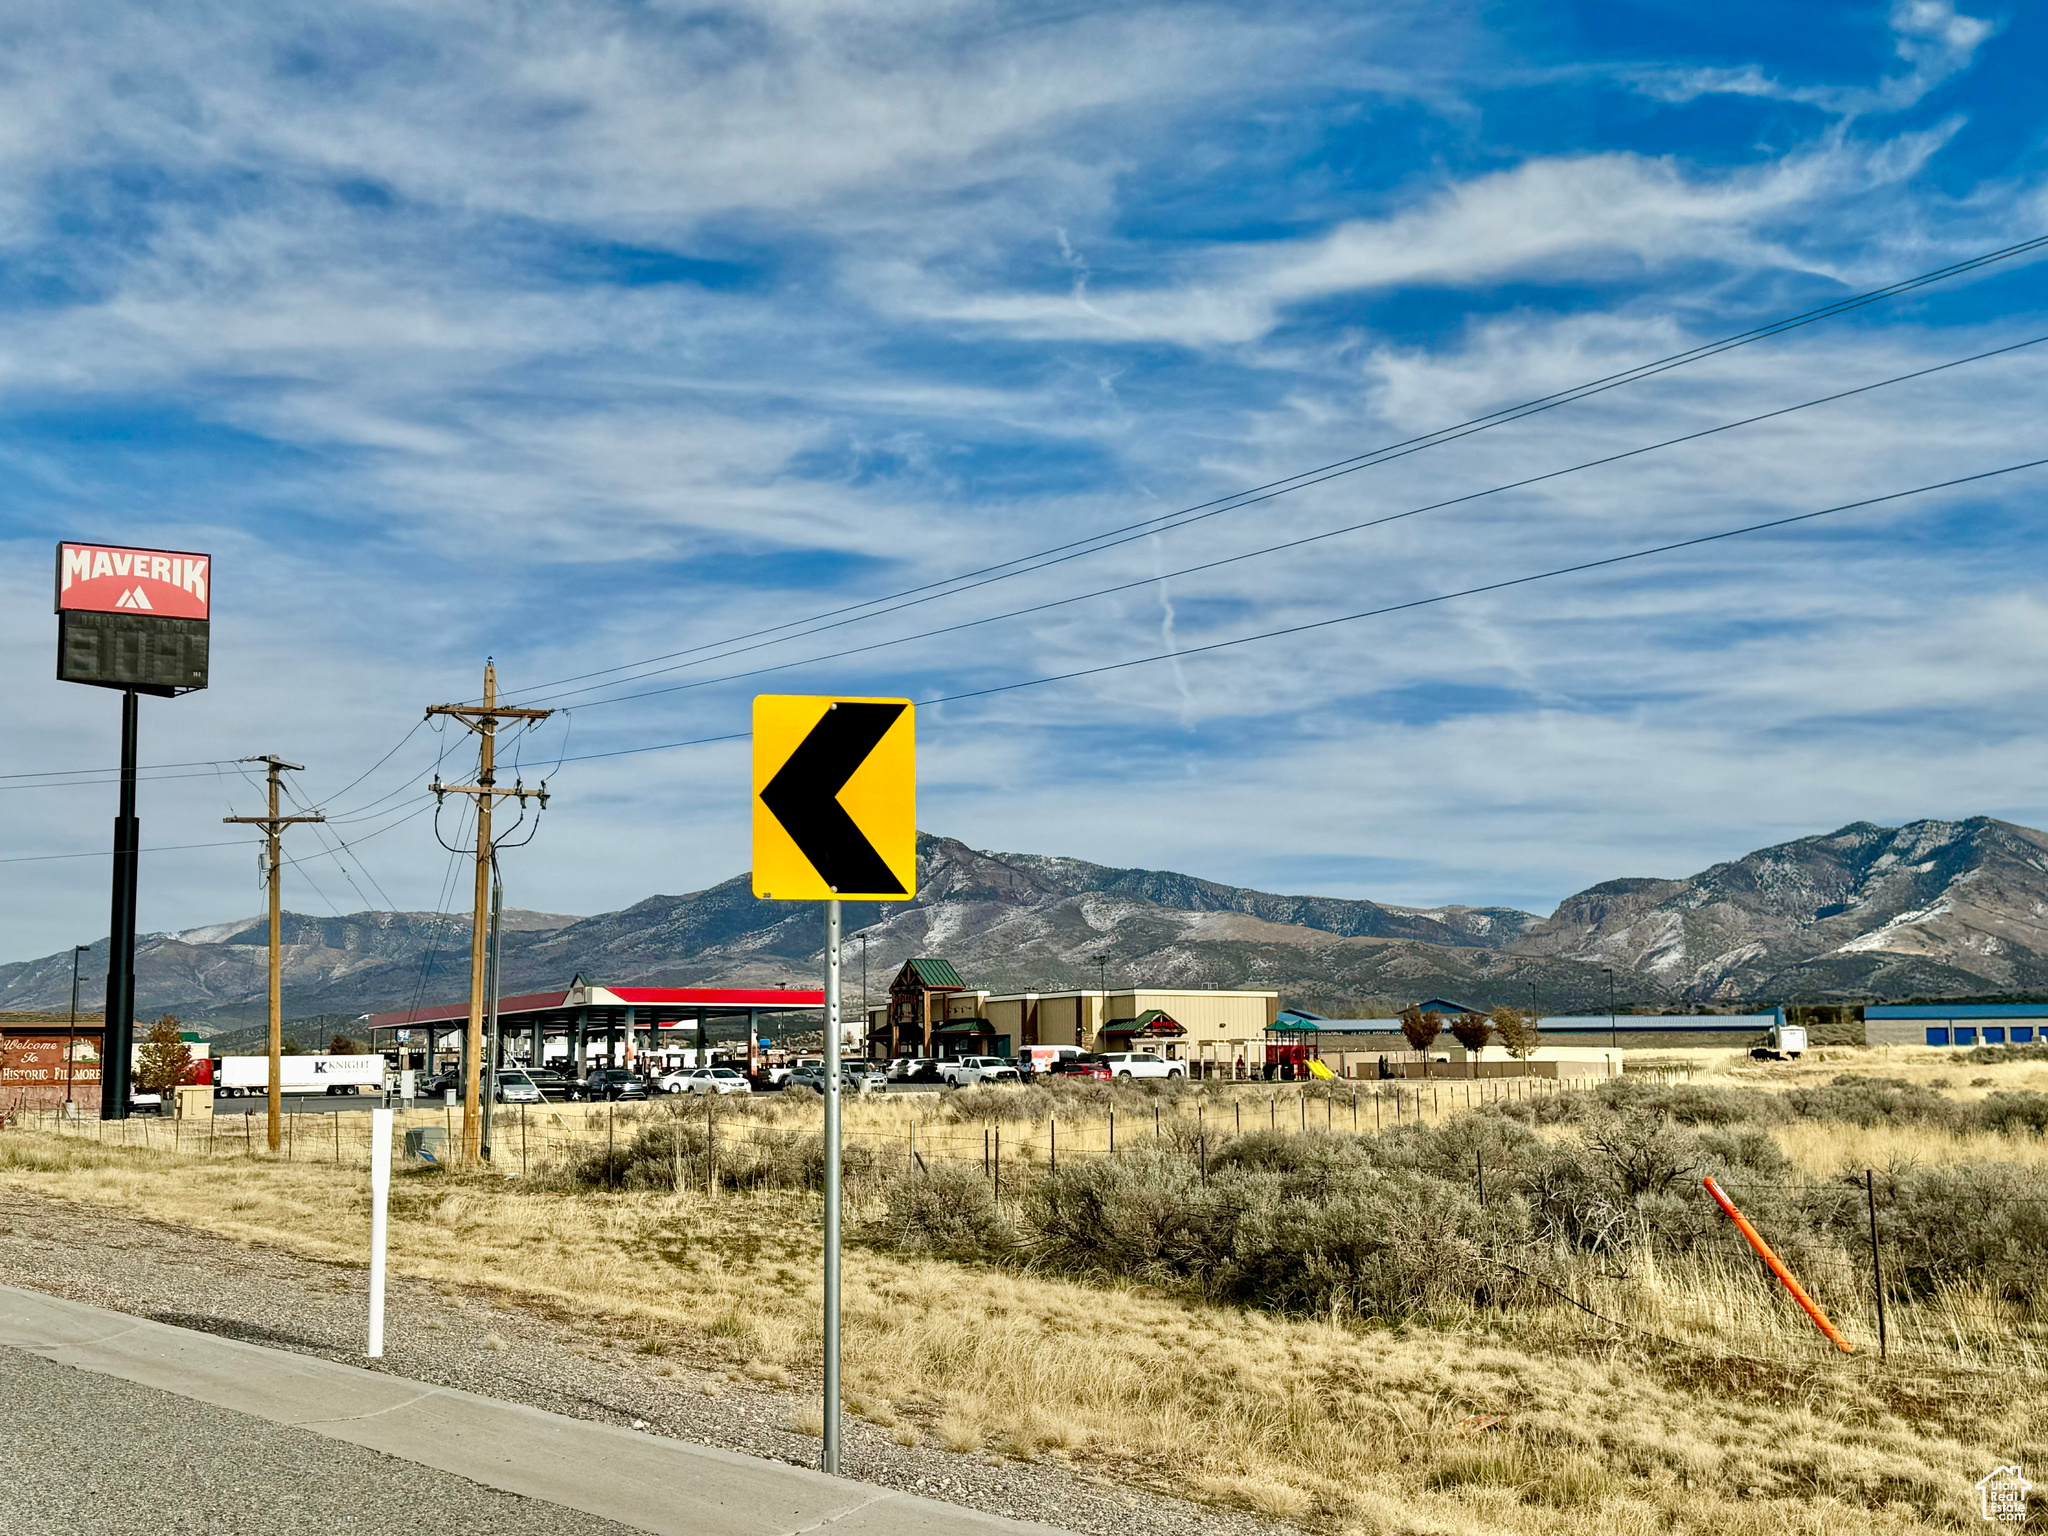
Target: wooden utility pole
483	719
273	826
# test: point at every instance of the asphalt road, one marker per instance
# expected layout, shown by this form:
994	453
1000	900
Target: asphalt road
85	1454
143	1426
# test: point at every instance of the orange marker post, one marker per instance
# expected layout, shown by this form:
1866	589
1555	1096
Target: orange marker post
1777	1266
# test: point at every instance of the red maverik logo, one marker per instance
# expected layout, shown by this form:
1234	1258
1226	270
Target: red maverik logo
103	578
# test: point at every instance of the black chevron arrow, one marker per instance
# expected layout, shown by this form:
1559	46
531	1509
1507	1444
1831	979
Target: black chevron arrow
804	797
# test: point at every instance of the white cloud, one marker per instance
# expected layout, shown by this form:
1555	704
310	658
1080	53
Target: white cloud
1580	219
1931	36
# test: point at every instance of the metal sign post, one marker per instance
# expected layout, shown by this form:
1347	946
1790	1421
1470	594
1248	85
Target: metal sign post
831	1458
835	818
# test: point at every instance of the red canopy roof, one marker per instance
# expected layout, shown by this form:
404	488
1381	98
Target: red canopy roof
735	998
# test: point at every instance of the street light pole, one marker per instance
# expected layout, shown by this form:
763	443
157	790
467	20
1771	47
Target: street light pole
71	1040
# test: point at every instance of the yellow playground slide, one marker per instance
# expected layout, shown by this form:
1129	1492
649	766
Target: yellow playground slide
1317	1069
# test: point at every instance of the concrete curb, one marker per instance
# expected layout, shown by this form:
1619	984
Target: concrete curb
645	1481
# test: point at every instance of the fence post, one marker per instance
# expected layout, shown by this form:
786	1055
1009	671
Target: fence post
1112	1127
1479	1163
1876	1265
1052	1129
998	1167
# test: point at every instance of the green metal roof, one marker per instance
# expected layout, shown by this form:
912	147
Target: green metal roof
1151	1021
965	1027
935	973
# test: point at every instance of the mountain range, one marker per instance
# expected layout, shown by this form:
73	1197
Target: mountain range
1934	908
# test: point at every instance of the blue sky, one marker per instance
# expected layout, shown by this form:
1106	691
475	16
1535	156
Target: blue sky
581	334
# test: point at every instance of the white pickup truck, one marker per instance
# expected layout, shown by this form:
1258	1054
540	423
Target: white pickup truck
1143	1064
236	1075
966	1071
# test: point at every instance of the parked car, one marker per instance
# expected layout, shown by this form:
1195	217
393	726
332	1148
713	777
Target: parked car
1036	1061
773	1074
968	1071
915	1069
718	1080
515	1087
1083	1065
554	1085
854	1077
1143	1064
613	1083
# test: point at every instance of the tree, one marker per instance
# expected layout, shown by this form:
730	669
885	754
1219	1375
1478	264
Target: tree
1517	1032
164	1061
1420	1028
341	1045
1472	1031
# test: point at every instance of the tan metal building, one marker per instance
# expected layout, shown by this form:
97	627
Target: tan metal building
1218	1033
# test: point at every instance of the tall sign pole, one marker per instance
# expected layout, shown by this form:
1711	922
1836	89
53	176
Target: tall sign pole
273	826
117	1035
482	719
137	620
835	818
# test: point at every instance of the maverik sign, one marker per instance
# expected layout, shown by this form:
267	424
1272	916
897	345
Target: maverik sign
132	618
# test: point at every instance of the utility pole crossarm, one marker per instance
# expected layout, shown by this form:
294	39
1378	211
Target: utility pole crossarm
517	790
489	714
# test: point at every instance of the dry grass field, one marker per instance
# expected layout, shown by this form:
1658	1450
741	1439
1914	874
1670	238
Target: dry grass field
1697	1400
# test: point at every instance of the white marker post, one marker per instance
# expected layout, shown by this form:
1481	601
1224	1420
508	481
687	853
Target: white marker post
380	1205
831	1458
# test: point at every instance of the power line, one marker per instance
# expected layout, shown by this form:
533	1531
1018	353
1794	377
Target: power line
1314	538
1095	543
216	762
1403	607
352	783
1492	586
112	778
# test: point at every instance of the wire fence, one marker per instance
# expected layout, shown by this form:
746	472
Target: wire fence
1002	1128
